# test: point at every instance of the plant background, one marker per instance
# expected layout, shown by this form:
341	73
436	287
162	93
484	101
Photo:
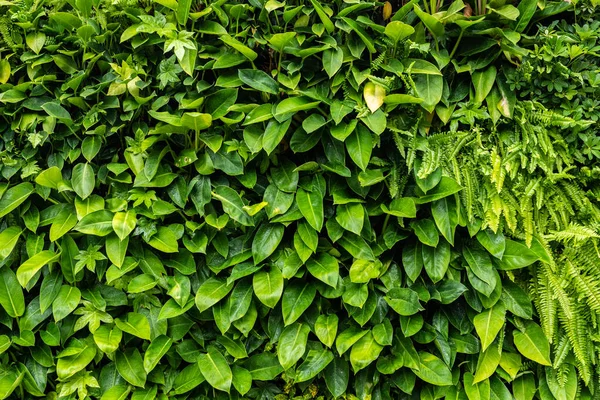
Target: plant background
300	199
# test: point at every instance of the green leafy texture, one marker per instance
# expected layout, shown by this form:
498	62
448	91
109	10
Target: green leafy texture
334	165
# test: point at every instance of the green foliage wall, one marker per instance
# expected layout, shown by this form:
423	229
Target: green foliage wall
277	200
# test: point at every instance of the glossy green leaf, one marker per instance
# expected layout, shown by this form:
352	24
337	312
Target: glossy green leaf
131	367
215	369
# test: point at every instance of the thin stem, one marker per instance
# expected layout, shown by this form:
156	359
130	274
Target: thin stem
462	31
385	223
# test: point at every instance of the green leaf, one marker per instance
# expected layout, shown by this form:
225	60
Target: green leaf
426	231
315	362
232	204
326	327
325	268
290	106
131	367
268	286
292	344
183	11
14	196
351	217
360	32
516	255
323	16
123	223
483	81
196	121
258	80
533	344
51	177
311	207
8	240
488	323
297	297
265	241
11	294
436	260
97	223
364	352
445	215
516	300
487	363
164	240
242	379
66	302
398	31
524	387
54	109
157	349
446	187
493	242
430	21
187	379
429	85
359	145
63	223
211	292
433	370
403	207
29	268
68	366
332	61
356	246
403	300
83	180
215	369
108	339
527	9
362	271
337	376
263	367
136	324
476	391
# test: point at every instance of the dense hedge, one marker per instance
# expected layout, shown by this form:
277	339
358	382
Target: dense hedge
299	199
